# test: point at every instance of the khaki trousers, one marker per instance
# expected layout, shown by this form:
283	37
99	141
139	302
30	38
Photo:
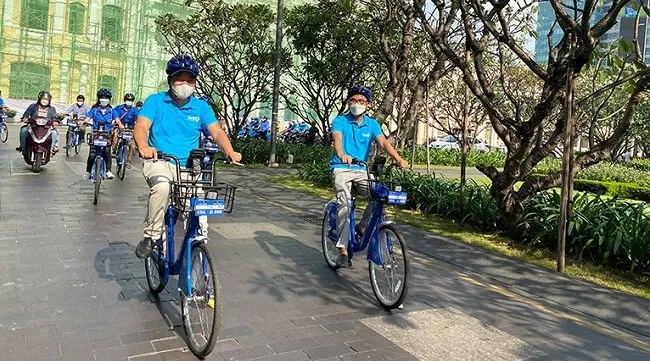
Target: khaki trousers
158	175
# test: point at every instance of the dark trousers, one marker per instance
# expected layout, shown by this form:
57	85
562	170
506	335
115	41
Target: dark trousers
93	153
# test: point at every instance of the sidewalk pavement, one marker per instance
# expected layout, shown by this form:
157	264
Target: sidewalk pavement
72	289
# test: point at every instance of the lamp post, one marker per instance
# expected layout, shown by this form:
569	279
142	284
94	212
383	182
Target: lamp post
276	83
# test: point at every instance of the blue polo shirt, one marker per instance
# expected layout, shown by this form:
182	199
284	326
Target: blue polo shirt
126	116
357	138
100	118
176	130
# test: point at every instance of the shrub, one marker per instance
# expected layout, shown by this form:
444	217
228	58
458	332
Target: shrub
256	151
608	231
451	157
10	113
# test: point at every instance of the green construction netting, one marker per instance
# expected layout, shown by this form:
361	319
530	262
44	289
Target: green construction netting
27	79
112	22
76	18
288	114
108	82
34	14
266	109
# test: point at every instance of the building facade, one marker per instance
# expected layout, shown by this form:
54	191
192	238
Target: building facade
72	47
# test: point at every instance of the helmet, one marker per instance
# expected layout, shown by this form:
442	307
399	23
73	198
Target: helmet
360	89
104	93
180	63
80	96
129	96
44	93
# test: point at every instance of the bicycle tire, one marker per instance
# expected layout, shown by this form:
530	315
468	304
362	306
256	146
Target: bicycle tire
4	132
373	269
326	243
68	136
154	261
97	177
202	351
122	166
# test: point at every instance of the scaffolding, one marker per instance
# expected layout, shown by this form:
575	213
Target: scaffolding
72	47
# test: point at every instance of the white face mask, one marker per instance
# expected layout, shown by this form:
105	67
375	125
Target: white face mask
183	91
128	103
44	102
80	103
357	109
103	102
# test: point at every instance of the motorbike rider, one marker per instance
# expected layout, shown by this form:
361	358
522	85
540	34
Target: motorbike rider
42	108
101	118
138	105
127	114
80	111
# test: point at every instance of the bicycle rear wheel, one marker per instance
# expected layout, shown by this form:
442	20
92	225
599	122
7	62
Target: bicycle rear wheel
98	177
202	310
328	241
154	270
390	280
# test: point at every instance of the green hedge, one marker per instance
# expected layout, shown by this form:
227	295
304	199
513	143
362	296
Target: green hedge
613	189
257	152
450	157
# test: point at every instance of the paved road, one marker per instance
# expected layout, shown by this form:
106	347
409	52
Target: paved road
71	288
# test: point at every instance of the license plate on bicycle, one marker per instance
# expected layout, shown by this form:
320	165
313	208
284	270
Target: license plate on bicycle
397	198
208	207
127	136
100	142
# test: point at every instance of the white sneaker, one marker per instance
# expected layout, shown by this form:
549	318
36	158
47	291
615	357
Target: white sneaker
109	175
86	176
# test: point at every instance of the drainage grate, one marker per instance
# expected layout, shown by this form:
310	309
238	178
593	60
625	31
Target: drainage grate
311	219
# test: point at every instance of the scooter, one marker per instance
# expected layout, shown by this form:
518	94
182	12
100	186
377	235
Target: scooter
38	148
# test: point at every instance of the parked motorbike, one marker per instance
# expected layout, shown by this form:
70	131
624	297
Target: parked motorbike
38	148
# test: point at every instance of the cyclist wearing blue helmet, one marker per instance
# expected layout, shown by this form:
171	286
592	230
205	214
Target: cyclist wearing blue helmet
100	117
171	122
352	135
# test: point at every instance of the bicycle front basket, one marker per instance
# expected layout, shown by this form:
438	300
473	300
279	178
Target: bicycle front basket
388	192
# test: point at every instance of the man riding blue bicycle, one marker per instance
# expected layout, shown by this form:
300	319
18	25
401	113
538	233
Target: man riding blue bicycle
352	135
171	122
127	114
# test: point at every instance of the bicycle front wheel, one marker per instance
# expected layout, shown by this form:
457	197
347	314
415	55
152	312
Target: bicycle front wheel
4	132
390	280
122	166
202	310
98	177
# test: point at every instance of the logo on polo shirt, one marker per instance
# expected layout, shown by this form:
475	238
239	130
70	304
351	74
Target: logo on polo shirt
366	135
194	119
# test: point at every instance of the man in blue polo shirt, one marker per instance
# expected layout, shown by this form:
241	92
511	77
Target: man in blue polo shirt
171	122
126	114
352	134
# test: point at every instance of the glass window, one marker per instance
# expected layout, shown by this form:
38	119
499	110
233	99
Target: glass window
26	80
112	23
76	18
34	14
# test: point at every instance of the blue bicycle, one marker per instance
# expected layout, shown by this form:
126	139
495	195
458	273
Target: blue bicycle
100	140
73	137
199	286
123	150
211	149
388	261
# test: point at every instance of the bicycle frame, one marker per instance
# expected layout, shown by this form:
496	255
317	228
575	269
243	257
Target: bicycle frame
175	268
99	150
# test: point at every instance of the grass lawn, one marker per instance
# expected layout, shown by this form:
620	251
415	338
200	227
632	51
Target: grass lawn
616	279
